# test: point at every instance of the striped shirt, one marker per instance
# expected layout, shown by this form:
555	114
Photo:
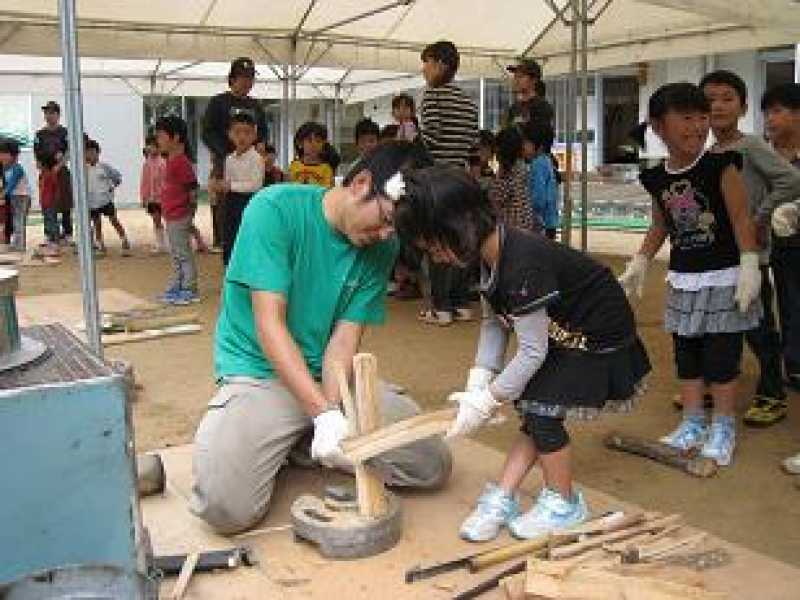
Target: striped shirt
449	120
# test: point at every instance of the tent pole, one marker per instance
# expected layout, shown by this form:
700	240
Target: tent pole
482	103
292	99
566	232
584	126
797	63
285	119
337	98
74	105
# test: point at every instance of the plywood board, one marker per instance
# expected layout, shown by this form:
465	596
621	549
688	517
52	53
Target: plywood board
67	308
295	570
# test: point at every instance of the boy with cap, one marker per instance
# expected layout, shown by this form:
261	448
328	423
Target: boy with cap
529	106
51	143
216	122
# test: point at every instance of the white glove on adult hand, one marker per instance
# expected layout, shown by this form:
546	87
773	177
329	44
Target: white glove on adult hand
749	284
785	219
474	409
632	279
478	378
330	428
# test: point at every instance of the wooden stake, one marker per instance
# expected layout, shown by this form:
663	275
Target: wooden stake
369	485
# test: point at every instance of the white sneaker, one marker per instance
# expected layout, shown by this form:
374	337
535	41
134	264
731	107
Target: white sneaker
792	464
720	444
550	513
495	508
690	434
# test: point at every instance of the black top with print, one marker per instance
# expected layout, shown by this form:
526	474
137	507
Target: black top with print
583	298
694	211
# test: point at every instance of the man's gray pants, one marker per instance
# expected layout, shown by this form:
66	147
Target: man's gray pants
247	434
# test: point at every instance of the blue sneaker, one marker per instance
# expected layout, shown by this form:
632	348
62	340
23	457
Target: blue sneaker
495	508
169	296
550	513
720	444
184	297
690	434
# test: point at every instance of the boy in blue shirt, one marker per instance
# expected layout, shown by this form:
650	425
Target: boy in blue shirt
541	175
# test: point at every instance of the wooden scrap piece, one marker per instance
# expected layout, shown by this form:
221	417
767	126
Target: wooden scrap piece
184	576
115	339
398	434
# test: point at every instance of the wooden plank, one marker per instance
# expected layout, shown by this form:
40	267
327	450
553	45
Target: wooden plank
184	576
115	339
592	583
369	485
399	434
598	541
157	322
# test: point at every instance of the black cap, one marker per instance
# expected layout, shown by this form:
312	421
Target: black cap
52	106
527	66
243	66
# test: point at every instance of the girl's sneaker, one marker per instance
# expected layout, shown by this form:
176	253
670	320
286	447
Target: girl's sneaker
550	513
792	464
720	444
495	508
436	317
690	434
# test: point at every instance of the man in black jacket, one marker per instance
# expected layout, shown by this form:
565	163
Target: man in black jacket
215	129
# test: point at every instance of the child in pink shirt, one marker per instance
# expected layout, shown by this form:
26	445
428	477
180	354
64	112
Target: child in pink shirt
150	188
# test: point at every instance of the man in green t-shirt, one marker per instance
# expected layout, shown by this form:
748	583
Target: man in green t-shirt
308	272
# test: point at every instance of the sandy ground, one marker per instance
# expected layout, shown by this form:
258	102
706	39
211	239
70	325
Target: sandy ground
751	503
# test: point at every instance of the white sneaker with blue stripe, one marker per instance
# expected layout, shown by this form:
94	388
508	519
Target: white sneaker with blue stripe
720	444
495	508
551	512
690	434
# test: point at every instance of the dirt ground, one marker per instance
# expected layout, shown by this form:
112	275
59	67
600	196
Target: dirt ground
752	503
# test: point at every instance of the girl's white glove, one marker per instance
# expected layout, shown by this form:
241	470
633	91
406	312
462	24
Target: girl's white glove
632	280
748	285
785	218
474	409
478	378
330	428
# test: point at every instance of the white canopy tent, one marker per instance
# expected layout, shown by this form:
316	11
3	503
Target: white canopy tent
295	35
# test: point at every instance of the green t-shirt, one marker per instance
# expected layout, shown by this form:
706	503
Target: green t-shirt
285	245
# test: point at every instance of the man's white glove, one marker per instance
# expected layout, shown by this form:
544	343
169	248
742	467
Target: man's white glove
748	285
474	409
478	378
785	219
632	279
330	428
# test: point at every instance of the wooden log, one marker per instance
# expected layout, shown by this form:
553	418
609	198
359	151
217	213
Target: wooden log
398	434
698	466
598	541
514	586
369	485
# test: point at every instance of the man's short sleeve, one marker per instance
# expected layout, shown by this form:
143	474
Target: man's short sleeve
185	173
368	303
262	254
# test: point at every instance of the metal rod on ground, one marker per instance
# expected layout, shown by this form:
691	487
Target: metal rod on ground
74	105
585	126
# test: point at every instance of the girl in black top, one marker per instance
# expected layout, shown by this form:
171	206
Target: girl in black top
700	202
578	353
